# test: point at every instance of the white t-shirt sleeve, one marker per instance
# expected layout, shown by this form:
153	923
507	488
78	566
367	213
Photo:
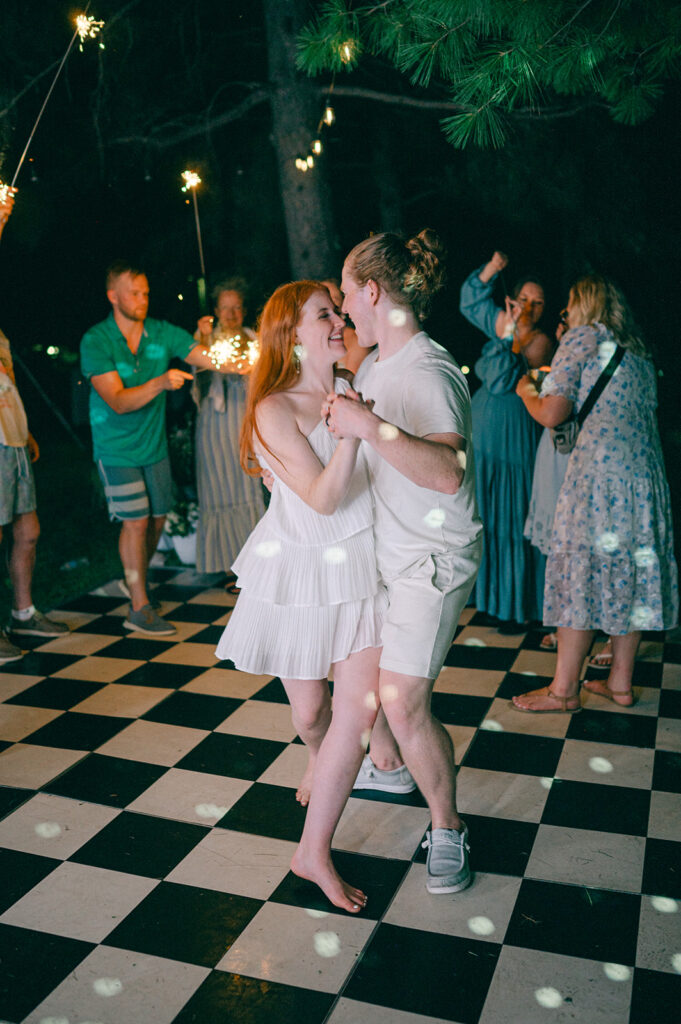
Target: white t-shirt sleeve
437	401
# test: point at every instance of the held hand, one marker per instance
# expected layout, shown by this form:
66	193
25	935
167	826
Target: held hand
33	449
526	387
348	416
204	327
173	379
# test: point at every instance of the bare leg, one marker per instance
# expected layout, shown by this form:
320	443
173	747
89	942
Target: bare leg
426	745
340	755
618	685
573	647
132	547
25	533
310	701
154	531
385	753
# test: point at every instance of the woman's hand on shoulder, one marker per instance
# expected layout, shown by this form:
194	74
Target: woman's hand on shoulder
538	349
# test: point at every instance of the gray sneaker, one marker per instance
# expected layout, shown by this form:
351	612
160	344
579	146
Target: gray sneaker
447	861
398	780
37	625
147	621
8	652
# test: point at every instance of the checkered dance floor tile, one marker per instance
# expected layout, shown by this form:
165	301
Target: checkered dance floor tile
147	820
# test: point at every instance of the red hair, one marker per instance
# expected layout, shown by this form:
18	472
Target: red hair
276	368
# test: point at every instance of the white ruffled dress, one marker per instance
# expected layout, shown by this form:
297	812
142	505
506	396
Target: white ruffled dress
310	590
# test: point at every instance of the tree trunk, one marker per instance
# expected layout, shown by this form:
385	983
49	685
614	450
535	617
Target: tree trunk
312	241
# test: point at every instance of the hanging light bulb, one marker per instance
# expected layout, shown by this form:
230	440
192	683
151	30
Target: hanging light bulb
316	147
310	161
329	115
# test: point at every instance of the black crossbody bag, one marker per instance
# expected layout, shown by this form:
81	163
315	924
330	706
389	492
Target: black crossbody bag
564	436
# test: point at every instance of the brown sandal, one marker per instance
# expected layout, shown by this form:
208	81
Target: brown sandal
600	689
563	703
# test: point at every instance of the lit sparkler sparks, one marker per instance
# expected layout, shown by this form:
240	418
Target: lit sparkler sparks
191	180
88	28
233	350
6	192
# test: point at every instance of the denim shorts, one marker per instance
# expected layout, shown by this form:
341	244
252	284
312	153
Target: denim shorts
17	485
135	492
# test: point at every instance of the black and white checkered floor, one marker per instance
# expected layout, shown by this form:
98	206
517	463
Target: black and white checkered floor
147	820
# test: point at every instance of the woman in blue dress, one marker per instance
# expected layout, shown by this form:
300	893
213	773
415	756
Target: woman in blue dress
505	438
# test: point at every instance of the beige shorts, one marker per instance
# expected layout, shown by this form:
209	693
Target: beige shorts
424	610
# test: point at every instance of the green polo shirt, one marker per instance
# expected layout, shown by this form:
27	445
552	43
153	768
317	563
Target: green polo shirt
131	438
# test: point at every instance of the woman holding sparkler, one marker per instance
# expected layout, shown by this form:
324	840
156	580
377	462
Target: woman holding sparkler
230	501
310	595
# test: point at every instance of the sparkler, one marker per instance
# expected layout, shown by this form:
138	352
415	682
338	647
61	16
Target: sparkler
86	27
191	181
233	350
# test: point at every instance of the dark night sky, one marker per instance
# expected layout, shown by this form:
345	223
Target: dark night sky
563	196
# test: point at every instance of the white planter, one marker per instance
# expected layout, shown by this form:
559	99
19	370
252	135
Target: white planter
185	548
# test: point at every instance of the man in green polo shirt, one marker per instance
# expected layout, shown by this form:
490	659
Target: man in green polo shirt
126	359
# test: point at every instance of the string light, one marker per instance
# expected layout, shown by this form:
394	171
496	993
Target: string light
329	115
305	163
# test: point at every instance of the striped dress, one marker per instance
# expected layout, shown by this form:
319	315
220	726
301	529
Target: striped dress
230	501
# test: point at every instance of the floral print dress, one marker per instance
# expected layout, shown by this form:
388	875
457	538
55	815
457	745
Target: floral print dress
611	565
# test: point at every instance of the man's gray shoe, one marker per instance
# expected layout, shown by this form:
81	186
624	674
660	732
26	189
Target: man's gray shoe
8	652
398	780
153	601
447	861
147	621
37	625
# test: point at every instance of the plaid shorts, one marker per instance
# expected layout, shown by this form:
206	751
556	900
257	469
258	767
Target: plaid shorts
134	492
17	485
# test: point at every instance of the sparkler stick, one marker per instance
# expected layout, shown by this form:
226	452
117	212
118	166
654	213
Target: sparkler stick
86	27
191	181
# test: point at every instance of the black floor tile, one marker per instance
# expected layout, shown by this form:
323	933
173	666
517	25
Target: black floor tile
98	779
178	592
378	877
210	635
159	673
593	806
20	872
662	870
207	613
136	649
532	640
106	625
514	752
575	921
655	997
672	654
460	709
140	845
497	659
628	730
185	923
264	810
667	771
499	846
56	693
93	604
670	704
423	973
241	757
273	692
233	997
194	710
77	731
647	673
413	799
33	964
11	798
37	663
515	683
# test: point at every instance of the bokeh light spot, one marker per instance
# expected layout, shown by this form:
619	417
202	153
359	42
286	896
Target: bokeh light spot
327	944
107	987
387	432
676	962
474	641
617	972
364	739
371	701
491	726
334	555
48	829
397	317
601	765
465	369
317	914
546	782
608	542
435	517
389	693
664	904
644	557
548	997
210	810
461	456
268	548
641	616
131	575
480	925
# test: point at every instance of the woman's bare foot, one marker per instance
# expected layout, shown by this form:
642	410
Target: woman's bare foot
305	787
625	698
342	895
